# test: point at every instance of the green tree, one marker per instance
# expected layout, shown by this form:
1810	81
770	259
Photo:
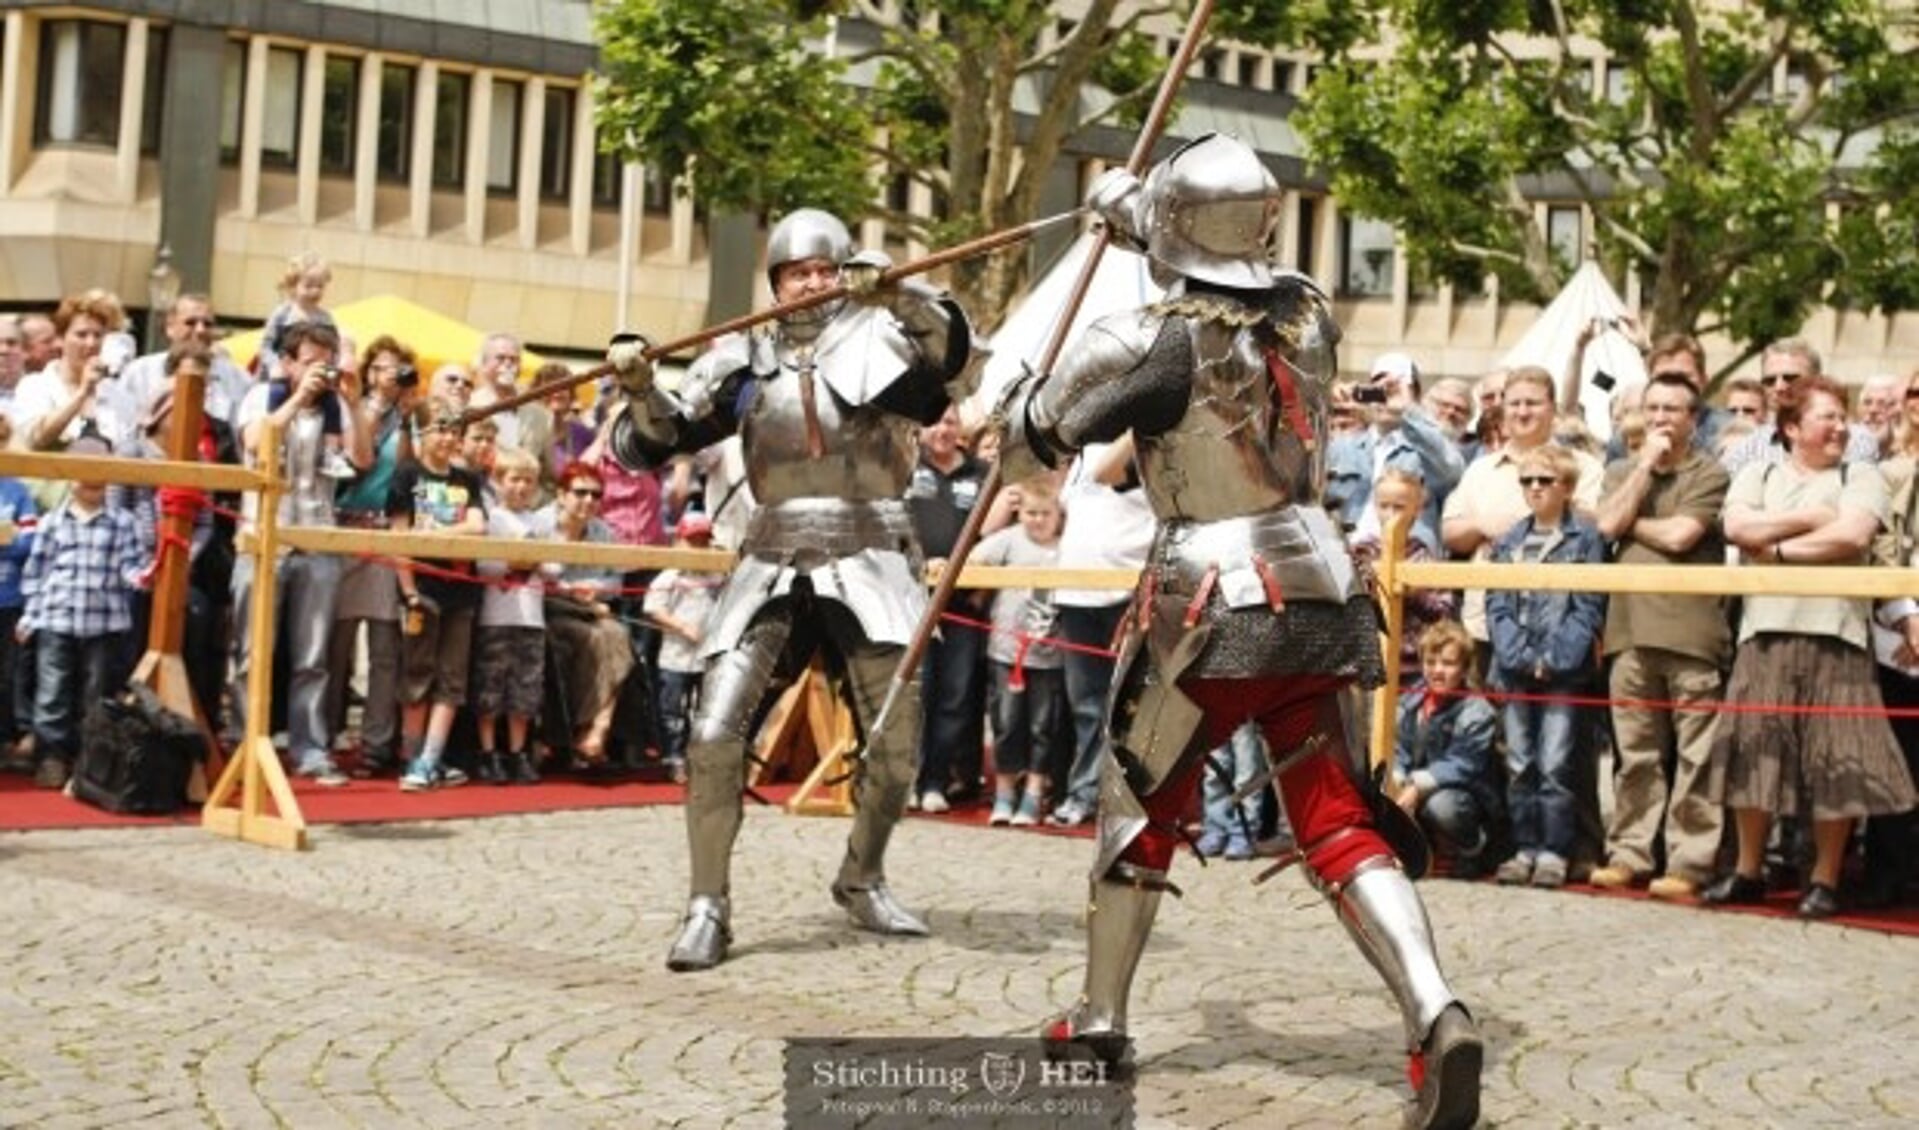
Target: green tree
744	100
1708	153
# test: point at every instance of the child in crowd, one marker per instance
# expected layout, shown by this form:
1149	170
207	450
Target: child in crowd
1544	648
511	676
678	601
79	584
1029	678
1444	752
302	288
479	451
18	516
1229	829
431	495
1398	491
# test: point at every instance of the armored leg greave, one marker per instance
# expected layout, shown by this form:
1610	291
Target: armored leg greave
716	751
1119	917
1383	913
887	770
885	777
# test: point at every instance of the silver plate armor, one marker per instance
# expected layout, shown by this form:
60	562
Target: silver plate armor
1208	212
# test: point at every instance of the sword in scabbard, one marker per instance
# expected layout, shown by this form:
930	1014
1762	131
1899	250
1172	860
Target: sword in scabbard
969	533
981	246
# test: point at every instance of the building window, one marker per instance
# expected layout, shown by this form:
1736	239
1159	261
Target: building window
393	152
339	114
503	137
656	192
153	110
1366	253
556	150
1248	70
1283	75
1618	84
1307	238
233	93
1563	235
280	115
452	94
80	80
606	180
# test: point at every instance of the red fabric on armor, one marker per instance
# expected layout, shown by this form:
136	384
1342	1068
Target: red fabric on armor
1319	794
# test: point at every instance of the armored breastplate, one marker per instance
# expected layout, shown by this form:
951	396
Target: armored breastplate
1252	438
801	441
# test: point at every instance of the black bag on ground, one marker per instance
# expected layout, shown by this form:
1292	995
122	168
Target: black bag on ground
136	755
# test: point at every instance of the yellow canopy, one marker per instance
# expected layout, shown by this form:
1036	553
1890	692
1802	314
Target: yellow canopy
436	338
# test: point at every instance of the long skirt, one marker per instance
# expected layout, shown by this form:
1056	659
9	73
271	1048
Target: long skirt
1826	753
594	658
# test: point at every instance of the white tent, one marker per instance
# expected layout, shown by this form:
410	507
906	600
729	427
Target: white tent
1555	335
1120	283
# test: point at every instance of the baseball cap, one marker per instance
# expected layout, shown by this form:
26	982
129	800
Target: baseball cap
694	525
1394	365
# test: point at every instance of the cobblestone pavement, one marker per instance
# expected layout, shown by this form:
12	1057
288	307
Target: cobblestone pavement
509	972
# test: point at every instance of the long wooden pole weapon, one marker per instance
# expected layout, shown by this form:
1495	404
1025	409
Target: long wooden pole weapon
937	259
969	533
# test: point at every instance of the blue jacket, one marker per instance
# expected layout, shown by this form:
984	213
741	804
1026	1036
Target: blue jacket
1452	748
1417	445
16	504
1554	630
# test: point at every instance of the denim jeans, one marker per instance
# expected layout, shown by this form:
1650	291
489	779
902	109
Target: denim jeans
1241	758
1026	723
309	582
73	671
1455	819
676	690
1540	775
953	709
1088	678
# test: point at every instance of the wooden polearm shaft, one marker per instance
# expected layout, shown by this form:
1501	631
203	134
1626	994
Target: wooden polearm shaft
969	532
936	260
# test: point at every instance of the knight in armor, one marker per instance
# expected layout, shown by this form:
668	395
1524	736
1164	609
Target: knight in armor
1248	608
828	404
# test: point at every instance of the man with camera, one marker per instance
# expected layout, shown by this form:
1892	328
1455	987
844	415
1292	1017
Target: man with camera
1401	434
309	582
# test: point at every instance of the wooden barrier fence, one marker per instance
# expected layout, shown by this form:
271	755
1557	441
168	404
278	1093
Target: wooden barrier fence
254	774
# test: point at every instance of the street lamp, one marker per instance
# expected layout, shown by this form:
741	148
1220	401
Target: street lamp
163	289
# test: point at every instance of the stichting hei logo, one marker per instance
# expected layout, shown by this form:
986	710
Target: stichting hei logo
1001	1073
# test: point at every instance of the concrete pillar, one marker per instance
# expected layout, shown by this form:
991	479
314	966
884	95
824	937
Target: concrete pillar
366	145
479	146
189	181
133	96
579	205
420	183
307	161
252	126
532	152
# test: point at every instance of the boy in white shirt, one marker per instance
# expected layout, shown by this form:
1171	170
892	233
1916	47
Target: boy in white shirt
678	601
511	647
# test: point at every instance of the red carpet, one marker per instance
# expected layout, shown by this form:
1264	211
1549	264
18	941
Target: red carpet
23	808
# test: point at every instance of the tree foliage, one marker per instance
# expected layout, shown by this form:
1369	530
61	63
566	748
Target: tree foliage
1704	172
742	98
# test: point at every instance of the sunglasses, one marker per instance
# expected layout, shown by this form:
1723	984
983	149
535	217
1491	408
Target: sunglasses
1541	481
586	492
1775	378
1912	394
1673	375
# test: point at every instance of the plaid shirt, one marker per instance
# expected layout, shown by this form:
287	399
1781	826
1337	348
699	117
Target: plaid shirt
82	572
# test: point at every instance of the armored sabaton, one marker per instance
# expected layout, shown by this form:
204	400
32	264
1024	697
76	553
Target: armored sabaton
827	412
1228	404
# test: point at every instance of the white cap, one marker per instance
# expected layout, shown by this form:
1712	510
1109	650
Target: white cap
1394	365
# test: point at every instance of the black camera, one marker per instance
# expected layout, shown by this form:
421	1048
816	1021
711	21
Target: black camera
328	373
1368	394
407	377
1603	381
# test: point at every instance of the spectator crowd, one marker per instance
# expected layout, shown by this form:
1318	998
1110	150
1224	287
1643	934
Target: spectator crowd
1740	745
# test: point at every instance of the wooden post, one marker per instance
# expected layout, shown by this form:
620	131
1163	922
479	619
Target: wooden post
162	667
830	725
1392	602
255	769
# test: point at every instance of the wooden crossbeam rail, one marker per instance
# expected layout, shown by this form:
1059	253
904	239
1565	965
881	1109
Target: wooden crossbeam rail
128	472
1396	576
